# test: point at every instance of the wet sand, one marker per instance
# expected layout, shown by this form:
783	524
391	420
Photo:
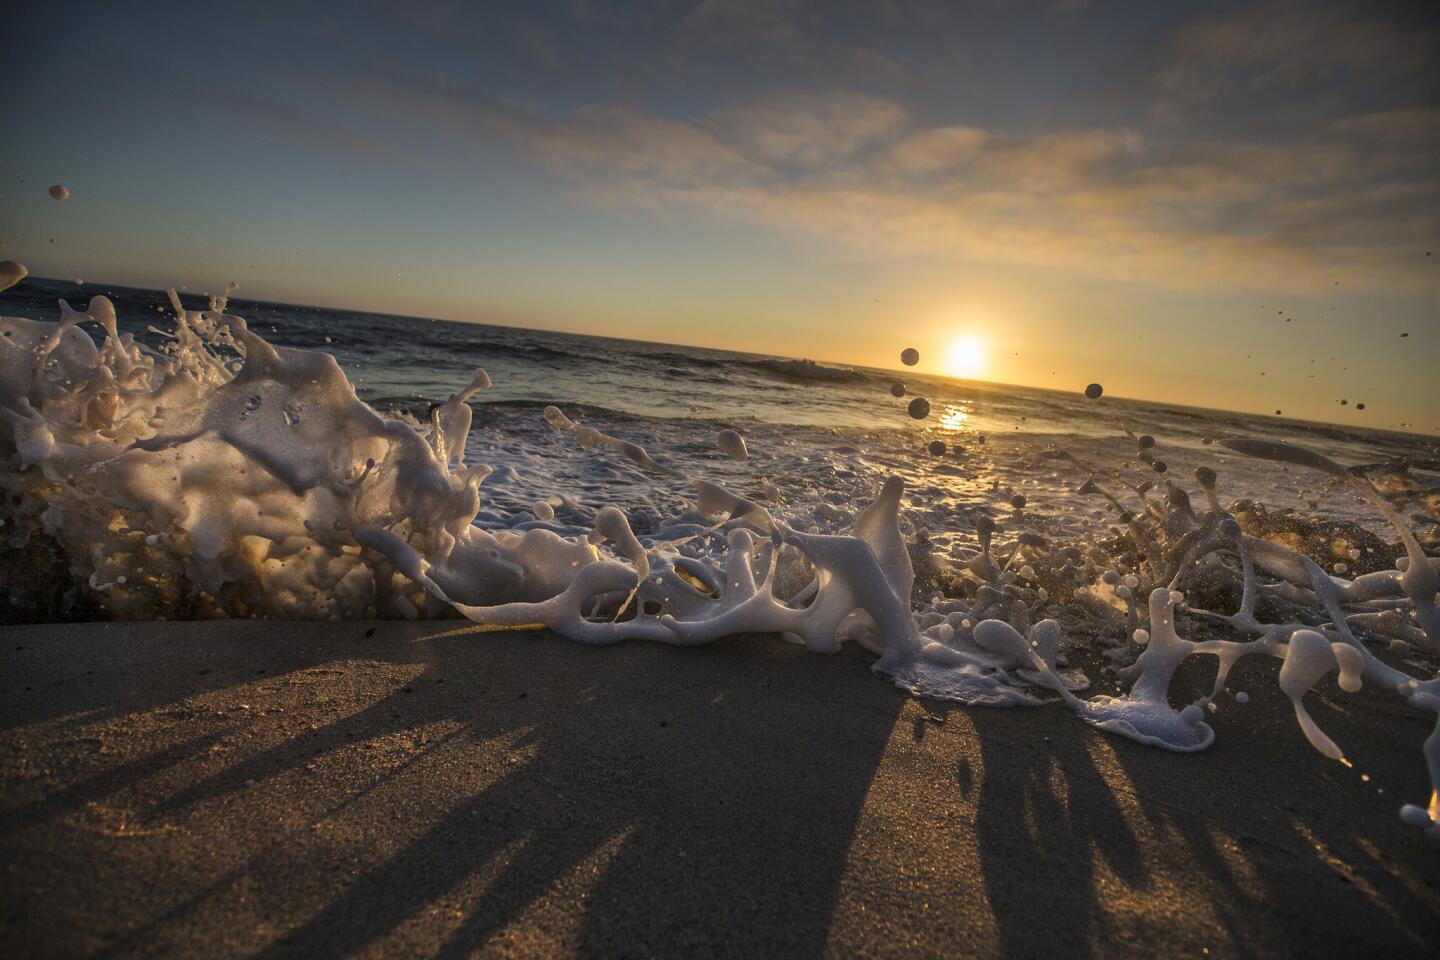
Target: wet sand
245	789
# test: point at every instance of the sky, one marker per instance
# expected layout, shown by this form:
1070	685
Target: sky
1217	204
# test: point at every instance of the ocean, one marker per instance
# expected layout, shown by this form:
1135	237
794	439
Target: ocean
198	458
825	435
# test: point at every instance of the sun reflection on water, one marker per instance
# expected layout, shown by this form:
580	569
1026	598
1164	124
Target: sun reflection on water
955	417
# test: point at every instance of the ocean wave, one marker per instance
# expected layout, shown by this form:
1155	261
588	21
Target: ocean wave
806	370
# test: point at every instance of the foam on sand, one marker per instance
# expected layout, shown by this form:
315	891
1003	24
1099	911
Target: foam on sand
221	475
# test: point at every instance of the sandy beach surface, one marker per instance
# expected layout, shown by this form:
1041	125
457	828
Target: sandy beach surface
248	789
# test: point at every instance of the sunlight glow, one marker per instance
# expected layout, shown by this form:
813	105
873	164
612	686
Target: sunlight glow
953	417
966	358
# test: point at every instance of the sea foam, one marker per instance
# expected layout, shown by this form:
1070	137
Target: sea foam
220	475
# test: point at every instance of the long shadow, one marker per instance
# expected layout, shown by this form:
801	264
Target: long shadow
706	802
1046	819
1283	851
1264	817
67	670
700	798
726	796
133	669
742	829
16	818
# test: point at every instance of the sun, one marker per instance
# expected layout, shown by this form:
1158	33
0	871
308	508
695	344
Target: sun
966	358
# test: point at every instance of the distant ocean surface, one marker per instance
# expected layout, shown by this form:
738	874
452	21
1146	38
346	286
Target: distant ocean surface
826	435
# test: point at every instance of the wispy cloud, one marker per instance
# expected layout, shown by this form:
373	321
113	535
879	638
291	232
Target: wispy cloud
1195	185
783	32
807	131
625	144
1303	53
864	174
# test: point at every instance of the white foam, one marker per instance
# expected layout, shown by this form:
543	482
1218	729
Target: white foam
218	474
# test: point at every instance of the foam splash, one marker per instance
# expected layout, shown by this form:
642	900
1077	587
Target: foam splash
220	475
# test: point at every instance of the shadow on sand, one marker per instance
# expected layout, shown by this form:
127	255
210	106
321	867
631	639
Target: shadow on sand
262	790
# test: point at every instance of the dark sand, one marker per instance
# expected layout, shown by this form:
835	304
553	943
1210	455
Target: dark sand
263	790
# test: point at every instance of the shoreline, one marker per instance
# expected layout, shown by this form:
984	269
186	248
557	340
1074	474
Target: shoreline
255	788
1303	424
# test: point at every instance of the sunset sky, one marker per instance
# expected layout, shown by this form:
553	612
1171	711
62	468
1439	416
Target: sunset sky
1038	193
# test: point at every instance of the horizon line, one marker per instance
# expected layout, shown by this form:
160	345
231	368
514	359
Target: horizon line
777	356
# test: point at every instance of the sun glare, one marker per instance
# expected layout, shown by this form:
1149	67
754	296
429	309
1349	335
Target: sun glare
966	358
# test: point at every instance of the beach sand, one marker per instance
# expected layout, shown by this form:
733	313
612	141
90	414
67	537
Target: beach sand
255	789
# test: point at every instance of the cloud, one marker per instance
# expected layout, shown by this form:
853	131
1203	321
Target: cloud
785	36
810	131
1308	52
1310	182
1059	158
628	144
1419	126
862	173
940	148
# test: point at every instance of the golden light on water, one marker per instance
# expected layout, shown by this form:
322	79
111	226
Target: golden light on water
966	358
953	418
